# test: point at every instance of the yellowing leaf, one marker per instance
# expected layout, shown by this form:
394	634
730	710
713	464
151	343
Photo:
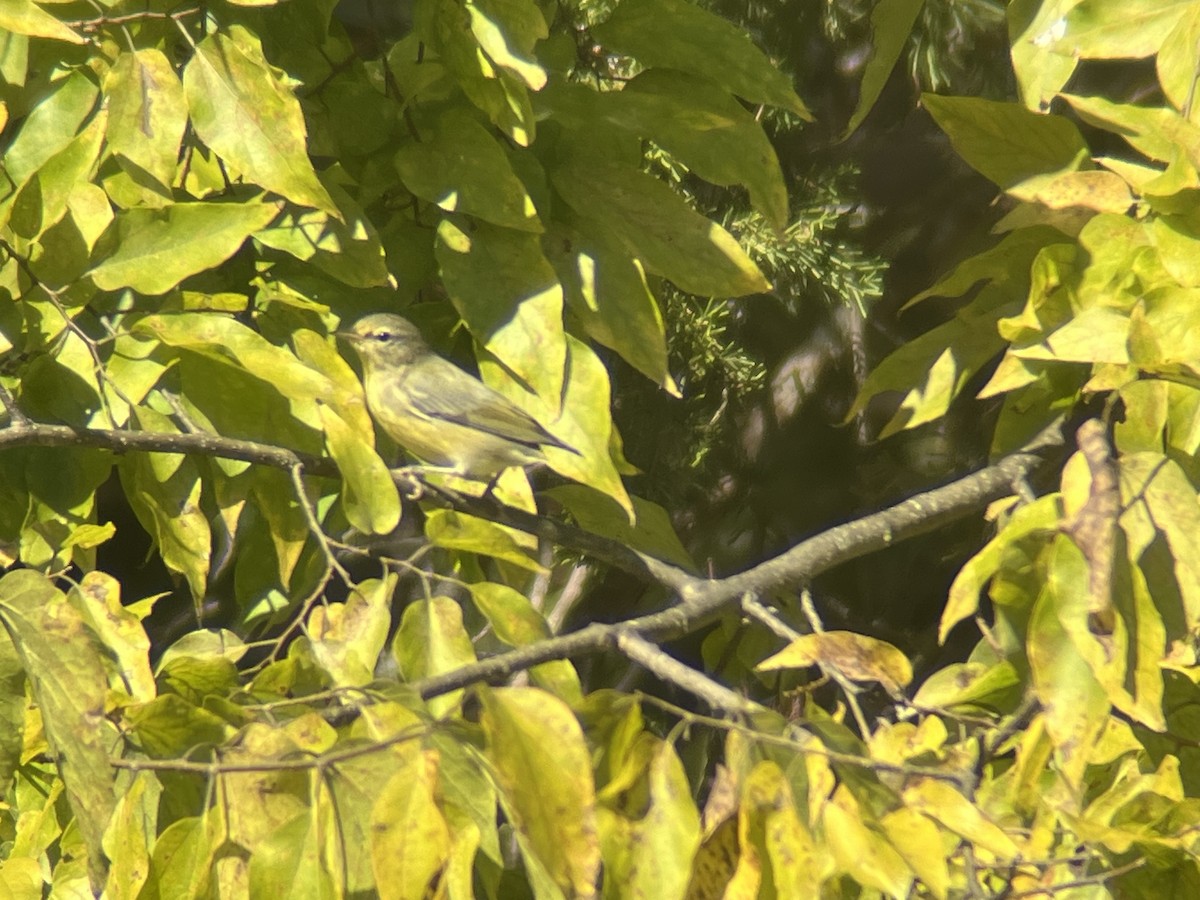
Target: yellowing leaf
517	623
244	111
585	421
942	803
857	656
347	638
147	113
1099	29
295	859
459	531
1033	27
859	851
648	851
410	840
98	597
26	17
66	672
919	841
431	640
542	765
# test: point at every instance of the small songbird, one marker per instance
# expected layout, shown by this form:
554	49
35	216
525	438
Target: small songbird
435	410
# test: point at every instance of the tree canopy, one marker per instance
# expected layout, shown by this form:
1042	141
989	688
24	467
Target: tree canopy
244	654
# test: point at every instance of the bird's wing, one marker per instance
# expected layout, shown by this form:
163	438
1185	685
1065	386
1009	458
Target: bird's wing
440	390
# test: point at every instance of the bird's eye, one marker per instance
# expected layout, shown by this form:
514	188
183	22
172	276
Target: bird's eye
383	335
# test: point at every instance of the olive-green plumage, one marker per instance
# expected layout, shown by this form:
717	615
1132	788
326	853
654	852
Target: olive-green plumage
435	410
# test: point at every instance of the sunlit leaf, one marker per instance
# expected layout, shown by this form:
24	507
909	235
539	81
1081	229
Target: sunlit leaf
541	763
243	109
154	250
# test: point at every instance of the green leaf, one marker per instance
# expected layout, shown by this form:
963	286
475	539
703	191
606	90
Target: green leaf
1158	132
651	533
649	850
51	125
410	840
1159	505
969	684
1041	73
181	861
507	31
345	246
42	200
294	860
510	298
12	710
27	18
934	368
355	784
705	129
169	726
462	168
156	249
1118	29
98	597
501	94
347	638
1006	142
164	491
615	204
517	623
1039	517
69	682
675	34
458	531
225	339
248	115
1007	262
542	766
431	640
1176	61
369	495
607	291
147	114
584	421
891	23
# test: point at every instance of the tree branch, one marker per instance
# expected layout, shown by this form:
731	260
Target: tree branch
699	601
702	600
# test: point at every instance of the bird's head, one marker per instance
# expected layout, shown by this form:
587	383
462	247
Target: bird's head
386	339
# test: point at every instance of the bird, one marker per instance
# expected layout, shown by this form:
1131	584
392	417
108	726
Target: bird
439	413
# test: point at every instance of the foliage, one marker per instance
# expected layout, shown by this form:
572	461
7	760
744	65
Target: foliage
200	196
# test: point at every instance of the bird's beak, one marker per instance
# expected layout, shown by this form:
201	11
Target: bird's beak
348	336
